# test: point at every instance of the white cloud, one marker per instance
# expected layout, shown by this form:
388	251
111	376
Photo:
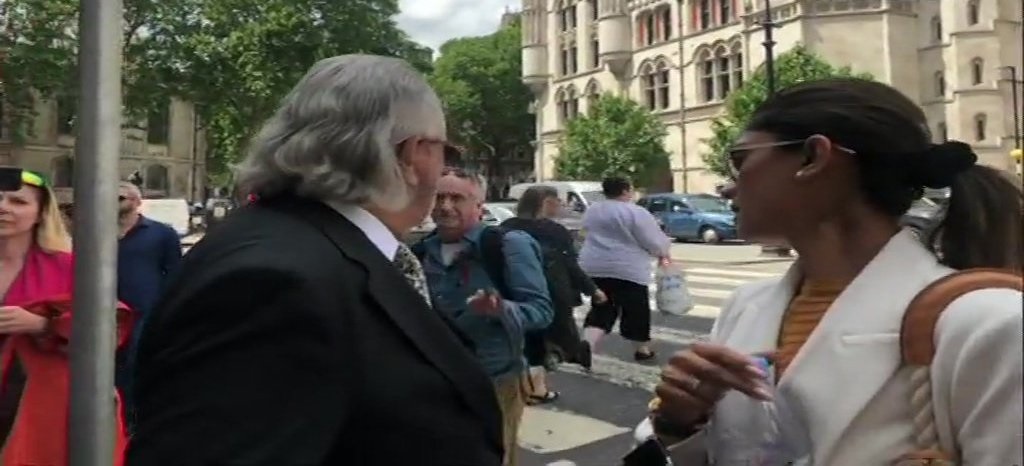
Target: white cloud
433	22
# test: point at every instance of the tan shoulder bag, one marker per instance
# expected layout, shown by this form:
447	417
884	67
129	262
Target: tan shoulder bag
917	342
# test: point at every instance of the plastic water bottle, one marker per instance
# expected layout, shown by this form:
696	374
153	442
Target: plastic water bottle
756	437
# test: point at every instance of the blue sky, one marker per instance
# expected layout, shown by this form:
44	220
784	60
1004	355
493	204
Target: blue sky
432	22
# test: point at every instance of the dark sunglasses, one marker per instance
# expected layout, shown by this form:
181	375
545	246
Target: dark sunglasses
738	154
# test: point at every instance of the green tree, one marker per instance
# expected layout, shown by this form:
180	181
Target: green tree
39	49
479	79
236	59
794	66
617	137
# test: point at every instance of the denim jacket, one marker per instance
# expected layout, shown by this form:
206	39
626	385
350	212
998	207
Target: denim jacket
498	339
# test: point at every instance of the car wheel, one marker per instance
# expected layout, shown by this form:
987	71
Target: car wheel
709	235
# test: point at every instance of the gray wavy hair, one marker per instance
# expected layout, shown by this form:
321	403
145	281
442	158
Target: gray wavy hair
335	134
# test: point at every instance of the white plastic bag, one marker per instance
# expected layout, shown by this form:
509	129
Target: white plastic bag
671	295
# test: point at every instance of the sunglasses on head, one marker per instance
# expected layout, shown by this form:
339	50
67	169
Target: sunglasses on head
458	172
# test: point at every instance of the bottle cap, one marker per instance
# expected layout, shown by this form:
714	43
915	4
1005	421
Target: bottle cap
763	363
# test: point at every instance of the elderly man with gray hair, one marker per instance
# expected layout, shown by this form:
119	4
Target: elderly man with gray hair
290	337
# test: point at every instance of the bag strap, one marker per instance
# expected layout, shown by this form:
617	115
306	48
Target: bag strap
917	345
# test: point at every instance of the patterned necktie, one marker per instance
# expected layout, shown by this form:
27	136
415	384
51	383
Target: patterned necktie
411	268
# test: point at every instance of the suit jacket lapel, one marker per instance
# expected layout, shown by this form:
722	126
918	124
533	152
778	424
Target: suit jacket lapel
424	327
859	336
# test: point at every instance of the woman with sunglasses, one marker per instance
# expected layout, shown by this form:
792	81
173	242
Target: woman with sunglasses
829	167
35	319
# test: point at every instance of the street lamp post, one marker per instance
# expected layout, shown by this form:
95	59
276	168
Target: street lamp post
769	47
768	23
1015	103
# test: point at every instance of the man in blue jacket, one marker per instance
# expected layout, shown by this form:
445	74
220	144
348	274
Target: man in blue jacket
494	316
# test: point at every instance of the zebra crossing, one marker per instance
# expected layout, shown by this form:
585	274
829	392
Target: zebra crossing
592	421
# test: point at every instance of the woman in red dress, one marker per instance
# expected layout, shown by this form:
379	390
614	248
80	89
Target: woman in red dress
35	319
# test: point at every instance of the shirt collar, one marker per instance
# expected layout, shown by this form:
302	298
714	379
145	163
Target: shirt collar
371	226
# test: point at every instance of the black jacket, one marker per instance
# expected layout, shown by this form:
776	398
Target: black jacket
288	339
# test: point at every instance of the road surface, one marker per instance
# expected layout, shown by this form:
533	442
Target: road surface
591	423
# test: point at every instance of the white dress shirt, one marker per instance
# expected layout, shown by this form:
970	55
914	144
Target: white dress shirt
371	226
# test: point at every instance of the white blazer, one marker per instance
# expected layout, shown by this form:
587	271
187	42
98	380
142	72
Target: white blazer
847	385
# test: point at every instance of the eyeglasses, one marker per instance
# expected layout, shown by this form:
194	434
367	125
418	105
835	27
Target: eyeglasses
121	198
738	154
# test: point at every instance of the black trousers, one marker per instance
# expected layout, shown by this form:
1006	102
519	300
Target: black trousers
562	336
628	302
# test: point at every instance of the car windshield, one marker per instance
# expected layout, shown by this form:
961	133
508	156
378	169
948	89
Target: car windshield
592	196
709	204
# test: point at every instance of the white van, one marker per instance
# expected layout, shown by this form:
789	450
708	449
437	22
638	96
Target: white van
577	195
174	212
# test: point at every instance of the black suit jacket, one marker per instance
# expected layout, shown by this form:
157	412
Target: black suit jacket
288	339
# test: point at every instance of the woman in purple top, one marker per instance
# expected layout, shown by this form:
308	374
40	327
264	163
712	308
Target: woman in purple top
621	241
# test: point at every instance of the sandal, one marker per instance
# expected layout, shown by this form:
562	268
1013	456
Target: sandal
546	398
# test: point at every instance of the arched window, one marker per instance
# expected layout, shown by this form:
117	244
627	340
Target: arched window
942	132
573	99
980	126
648	86
723	72
725	13
706	68
936	28
593	93
664	23
940	84
703	16
973	12
977	71
661	82
737	65
563	107
156	178
63	169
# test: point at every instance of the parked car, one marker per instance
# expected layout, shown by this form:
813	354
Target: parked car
497	212
701	217
577	195
924	214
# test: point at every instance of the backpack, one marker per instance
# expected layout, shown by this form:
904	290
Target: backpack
917	345
491	250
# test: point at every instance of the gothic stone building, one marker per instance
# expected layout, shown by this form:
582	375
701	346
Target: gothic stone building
166	150
681	58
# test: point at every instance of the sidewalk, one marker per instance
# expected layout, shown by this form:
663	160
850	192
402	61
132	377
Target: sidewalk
728	253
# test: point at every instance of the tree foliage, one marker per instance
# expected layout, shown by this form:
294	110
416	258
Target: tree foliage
39	57
791	67
234	58
479	79
617	137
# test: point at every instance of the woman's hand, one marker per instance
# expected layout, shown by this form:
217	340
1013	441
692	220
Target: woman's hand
664	261
696	379
15	319
599	297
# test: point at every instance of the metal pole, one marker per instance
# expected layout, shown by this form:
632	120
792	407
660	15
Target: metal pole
1015	99
769	46
92	414
682	110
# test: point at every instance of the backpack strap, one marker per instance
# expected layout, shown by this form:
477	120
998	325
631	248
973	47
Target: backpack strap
917	345
492	254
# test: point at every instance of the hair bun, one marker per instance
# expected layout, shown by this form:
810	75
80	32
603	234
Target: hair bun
939	165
